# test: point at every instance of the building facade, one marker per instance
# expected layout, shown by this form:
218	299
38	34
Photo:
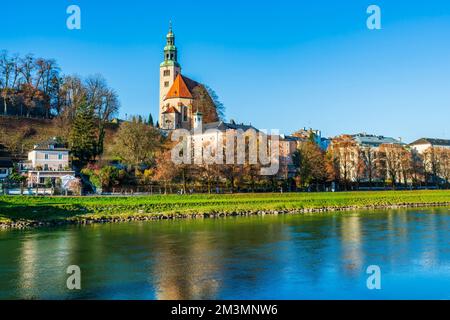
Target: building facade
48	160
424	144
177	92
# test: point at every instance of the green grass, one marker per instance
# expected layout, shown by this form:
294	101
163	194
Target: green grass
74	208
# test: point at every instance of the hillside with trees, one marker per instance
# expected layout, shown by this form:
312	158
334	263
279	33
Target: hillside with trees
38	102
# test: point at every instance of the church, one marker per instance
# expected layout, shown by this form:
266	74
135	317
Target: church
182	101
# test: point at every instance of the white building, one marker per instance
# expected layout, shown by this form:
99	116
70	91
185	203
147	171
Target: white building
47	160
423	144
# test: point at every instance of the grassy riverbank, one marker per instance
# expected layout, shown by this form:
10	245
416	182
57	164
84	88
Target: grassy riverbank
43	210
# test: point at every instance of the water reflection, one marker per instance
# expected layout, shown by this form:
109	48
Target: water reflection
351	242
244	258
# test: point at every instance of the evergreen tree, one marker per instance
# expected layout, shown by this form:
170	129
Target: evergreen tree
150	120
83	134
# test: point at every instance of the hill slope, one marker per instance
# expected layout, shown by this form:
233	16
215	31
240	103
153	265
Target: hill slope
19	135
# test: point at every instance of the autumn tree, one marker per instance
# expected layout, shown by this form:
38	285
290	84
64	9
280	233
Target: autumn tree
29	85
137	142
310	163
345	154
204	103
165	169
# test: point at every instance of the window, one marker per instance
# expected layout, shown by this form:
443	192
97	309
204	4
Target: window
46	156
166	73
60	156
166	84
185	114
3	171
45	167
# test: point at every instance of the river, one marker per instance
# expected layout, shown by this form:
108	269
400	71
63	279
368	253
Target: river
271	257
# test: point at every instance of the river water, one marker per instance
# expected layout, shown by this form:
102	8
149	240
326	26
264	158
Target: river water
272	257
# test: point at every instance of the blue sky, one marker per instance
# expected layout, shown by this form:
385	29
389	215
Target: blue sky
282	64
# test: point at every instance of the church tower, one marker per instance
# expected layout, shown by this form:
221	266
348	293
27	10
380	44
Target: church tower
169	70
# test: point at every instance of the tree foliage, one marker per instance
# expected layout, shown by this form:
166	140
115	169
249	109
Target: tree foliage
83	139
137	142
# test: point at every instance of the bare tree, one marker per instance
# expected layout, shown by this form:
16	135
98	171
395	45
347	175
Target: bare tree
432	164
417	168
105	103
368	156
9	76
445	165
392	158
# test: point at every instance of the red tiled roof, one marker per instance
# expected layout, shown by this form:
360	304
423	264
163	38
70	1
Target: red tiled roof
179	89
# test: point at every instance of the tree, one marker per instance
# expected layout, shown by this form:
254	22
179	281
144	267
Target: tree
444	154
368	156
72	95
150	120
16	177
137	142
105	103
219	106
9	76
205	104
166	170
417	168
109	176
83	134
432	163
29	83
310	163
345	152
233	174
392	159
252	175
332	167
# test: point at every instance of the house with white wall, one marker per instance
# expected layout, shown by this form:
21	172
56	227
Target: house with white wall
47	160
424	144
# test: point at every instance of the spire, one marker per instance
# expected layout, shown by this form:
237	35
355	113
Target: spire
170	50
